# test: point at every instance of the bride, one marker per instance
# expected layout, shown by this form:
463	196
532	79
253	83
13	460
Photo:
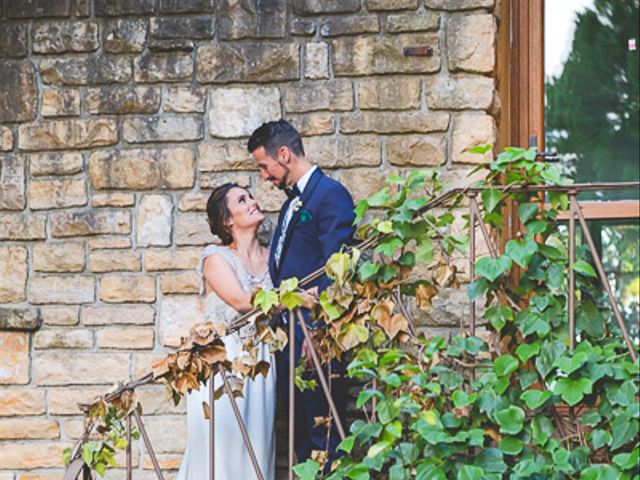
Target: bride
230	272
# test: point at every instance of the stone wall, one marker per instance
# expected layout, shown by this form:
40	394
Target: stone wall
117	118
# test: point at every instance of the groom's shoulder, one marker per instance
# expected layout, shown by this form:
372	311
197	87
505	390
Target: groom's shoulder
332	185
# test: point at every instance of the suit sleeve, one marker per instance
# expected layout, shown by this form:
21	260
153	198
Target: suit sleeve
335	220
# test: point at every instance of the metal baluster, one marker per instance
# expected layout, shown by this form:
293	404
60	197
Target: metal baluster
212	429
128	450
292	390
572	274
147	444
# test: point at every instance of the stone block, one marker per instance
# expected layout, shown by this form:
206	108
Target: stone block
156	400
188	282
68	134
334	95
458	4
66	338
316	60
13	259
26	456
167	461
60	103
12	179
115	199
94	70
313	124
375	5
168	432
238	20
67	289
412	22
6	139
82	8
237	112
210	181
459	92
125	35
193	202
363	183
170	45
162	129
114	8
396	93
110	100
179	259
28	428
471	130
198	28
184	100
350	25
269	197
192	229
127	288
58	257
153	220
224	156
79	368
417	150
114	261
66	315
109	242
47	194
142	169
186	6
25	319
91	222
37	8
125	338
117	315
470	43
269	62
22	226
19	78
13	39
65	163
63	37
64	400
163	67
315	7
372	55
302	27
177	314
21	401
340	152
14	359
392	122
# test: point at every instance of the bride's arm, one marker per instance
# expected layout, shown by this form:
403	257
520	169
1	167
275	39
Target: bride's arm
220	278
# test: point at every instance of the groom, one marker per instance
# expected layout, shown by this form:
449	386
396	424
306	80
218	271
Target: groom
315	222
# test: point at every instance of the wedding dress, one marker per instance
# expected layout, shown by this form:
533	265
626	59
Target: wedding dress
257	408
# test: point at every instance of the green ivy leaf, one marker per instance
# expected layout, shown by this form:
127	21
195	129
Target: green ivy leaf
573	391
527	350
491	460
265	300
333	311
490	199
368	270
480	149
521	251
600	438
584	268
424	252
428	471
549	352
462	399
535	398
491	268
627	461
498	316
359	471
510	420
307	470
526	211
477	288
291	300
511	445
600	472
352	334
347	444
505	365
541	428
469	472
388	247
569	365
379	198
360	210
624	429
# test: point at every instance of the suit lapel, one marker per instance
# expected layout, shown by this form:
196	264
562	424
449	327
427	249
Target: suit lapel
316	176
273	268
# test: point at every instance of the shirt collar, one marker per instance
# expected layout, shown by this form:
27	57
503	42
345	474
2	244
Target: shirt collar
302	183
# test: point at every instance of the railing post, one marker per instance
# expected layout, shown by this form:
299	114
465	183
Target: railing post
128	450
292	390
212	428
604	279
323	381
147	443
472	259
572	274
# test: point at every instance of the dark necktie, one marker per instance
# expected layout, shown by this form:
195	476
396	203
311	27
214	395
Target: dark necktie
292	192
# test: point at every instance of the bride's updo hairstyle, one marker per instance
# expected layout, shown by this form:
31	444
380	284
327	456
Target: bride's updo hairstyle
218	214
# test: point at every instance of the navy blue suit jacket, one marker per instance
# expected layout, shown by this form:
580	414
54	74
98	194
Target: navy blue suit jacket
310	242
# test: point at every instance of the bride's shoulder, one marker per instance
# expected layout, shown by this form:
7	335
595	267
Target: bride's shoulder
217	252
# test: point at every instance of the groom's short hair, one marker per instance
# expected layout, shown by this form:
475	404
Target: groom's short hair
273	135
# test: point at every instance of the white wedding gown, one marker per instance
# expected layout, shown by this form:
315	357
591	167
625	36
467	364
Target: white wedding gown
232	460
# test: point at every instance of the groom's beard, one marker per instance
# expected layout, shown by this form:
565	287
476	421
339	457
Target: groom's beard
282	184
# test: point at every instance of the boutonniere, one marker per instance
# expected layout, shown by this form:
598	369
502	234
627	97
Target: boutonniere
297	204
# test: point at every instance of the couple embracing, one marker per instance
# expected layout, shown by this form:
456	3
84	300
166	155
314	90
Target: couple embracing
314	222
